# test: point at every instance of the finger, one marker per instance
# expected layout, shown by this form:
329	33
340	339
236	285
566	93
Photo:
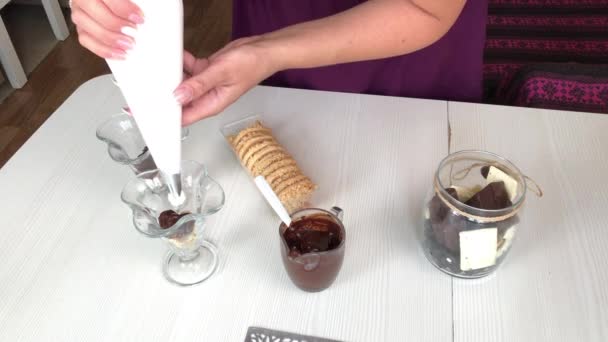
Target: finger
102	36
99	49
189	61
210	104
126	10
104	16
205	106
193	65
198	85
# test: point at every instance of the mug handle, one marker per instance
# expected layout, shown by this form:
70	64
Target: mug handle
338	212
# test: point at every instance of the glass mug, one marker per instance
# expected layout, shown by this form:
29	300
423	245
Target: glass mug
462	240
314	271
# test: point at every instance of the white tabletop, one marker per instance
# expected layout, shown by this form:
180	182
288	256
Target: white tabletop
554	284
72	267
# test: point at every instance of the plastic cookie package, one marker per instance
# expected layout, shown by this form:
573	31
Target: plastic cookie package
261	154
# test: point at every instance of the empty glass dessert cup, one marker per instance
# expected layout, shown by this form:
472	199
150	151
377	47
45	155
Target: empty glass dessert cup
314	271
191	258
125	143
457	236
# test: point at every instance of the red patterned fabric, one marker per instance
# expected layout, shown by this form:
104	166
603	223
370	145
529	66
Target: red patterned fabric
555	4
559	86
522	33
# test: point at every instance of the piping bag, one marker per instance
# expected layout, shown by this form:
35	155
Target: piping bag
147	77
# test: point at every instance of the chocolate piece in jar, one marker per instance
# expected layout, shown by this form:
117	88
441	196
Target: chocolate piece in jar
446	232
437	209
485	170
494	174
444	224
493	197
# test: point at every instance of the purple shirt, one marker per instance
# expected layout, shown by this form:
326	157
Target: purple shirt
449	69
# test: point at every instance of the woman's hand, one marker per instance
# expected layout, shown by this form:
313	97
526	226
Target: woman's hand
221	79
105	26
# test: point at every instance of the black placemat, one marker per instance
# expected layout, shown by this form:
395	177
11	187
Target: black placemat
257	334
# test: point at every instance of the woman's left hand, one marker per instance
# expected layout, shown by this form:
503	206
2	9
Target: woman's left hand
218	81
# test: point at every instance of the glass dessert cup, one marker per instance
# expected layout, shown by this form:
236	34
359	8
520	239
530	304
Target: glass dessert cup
460	239
125	143
315	271
191	259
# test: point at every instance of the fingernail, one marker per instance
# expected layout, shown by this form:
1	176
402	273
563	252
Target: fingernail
182	95
129	31
120	55
136	18
125	43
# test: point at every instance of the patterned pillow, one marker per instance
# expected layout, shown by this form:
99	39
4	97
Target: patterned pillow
566	86
524	32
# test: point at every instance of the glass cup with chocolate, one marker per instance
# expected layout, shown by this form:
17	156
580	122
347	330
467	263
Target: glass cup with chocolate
312	247
471	213
126	145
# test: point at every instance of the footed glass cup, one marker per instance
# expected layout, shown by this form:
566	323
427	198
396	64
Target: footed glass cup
125	143
191	259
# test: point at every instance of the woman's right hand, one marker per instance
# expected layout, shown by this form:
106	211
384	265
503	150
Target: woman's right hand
106	26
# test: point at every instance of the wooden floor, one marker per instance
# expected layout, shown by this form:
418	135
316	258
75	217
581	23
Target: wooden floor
207	28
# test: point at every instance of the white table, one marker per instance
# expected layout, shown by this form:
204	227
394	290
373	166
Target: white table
72	267
554	285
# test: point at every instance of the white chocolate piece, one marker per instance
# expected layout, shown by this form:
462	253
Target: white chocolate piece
464	194
508	237
478	248
496	175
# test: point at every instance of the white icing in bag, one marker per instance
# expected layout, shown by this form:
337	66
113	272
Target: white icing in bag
148	76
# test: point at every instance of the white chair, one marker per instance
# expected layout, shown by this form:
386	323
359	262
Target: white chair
56	19
8	56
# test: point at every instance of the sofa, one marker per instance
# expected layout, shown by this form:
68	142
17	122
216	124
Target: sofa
547	54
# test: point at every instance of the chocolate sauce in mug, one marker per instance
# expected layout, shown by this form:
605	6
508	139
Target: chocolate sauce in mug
313	250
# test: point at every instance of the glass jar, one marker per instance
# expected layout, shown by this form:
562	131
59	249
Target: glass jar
456	235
